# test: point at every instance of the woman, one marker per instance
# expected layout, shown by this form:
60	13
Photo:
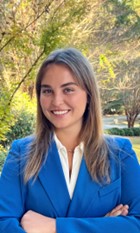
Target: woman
69	177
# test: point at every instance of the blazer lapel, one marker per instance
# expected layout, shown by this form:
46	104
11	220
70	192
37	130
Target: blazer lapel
53	181
85	193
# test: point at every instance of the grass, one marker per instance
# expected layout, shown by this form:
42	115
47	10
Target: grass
136	145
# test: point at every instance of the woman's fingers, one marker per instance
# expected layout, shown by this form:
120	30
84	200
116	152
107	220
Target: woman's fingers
119	210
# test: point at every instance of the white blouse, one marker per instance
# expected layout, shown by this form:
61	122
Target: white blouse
77	158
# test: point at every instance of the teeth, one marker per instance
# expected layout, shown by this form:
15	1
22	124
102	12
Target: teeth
60	112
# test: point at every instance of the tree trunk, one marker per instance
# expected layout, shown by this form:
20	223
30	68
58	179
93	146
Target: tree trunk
131	120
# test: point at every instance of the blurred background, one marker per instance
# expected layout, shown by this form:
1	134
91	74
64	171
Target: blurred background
106	31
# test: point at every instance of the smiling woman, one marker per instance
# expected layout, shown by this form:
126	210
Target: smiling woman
45	175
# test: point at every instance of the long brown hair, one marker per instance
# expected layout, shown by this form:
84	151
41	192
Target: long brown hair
95	146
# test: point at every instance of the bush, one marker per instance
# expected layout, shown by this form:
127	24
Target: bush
136	131
114	131
129	132
24	126
124	131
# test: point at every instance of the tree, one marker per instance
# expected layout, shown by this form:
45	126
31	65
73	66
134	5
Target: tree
31	30
130	91
115	40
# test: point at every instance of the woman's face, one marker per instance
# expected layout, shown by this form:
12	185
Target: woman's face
62	100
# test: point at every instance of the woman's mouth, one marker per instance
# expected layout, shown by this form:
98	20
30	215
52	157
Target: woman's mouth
60	112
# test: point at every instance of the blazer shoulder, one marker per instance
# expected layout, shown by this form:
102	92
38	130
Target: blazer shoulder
24	141
120	146
22	144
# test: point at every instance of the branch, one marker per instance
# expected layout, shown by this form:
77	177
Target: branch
7	43
24	29
57	9
25	76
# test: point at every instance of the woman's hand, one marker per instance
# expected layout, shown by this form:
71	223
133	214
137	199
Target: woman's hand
119	210
33	222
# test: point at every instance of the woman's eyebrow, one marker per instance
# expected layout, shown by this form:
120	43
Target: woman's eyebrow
45	86
70	83
63	85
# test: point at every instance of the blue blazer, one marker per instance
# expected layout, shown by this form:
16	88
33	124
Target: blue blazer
48	194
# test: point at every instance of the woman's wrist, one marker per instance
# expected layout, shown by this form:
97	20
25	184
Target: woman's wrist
53	225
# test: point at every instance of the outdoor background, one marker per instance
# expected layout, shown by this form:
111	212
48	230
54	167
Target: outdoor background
106	31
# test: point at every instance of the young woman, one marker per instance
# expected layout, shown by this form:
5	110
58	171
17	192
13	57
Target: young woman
68	177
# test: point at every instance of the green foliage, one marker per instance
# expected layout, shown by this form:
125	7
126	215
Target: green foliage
6	119
63	18
113	107
18	122
136	131
23	102
123	132
106	64
23	115
24	126
2	158
127	13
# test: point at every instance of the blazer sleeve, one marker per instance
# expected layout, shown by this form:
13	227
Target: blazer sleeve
11	196
130	189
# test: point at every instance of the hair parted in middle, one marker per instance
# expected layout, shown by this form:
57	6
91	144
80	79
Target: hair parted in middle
95	146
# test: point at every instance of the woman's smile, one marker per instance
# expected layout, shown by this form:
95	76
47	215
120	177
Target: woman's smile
60	112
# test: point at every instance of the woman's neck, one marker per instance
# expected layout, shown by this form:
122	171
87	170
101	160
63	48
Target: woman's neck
68	139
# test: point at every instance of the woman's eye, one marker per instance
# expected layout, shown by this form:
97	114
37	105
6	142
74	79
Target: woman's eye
47	91
68	90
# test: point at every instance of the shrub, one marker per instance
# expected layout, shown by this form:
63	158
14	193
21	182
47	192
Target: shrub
24	126
124	131
113	131
136	131
17	119
129	132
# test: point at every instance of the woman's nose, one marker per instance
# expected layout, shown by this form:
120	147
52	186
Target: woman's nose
57	99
